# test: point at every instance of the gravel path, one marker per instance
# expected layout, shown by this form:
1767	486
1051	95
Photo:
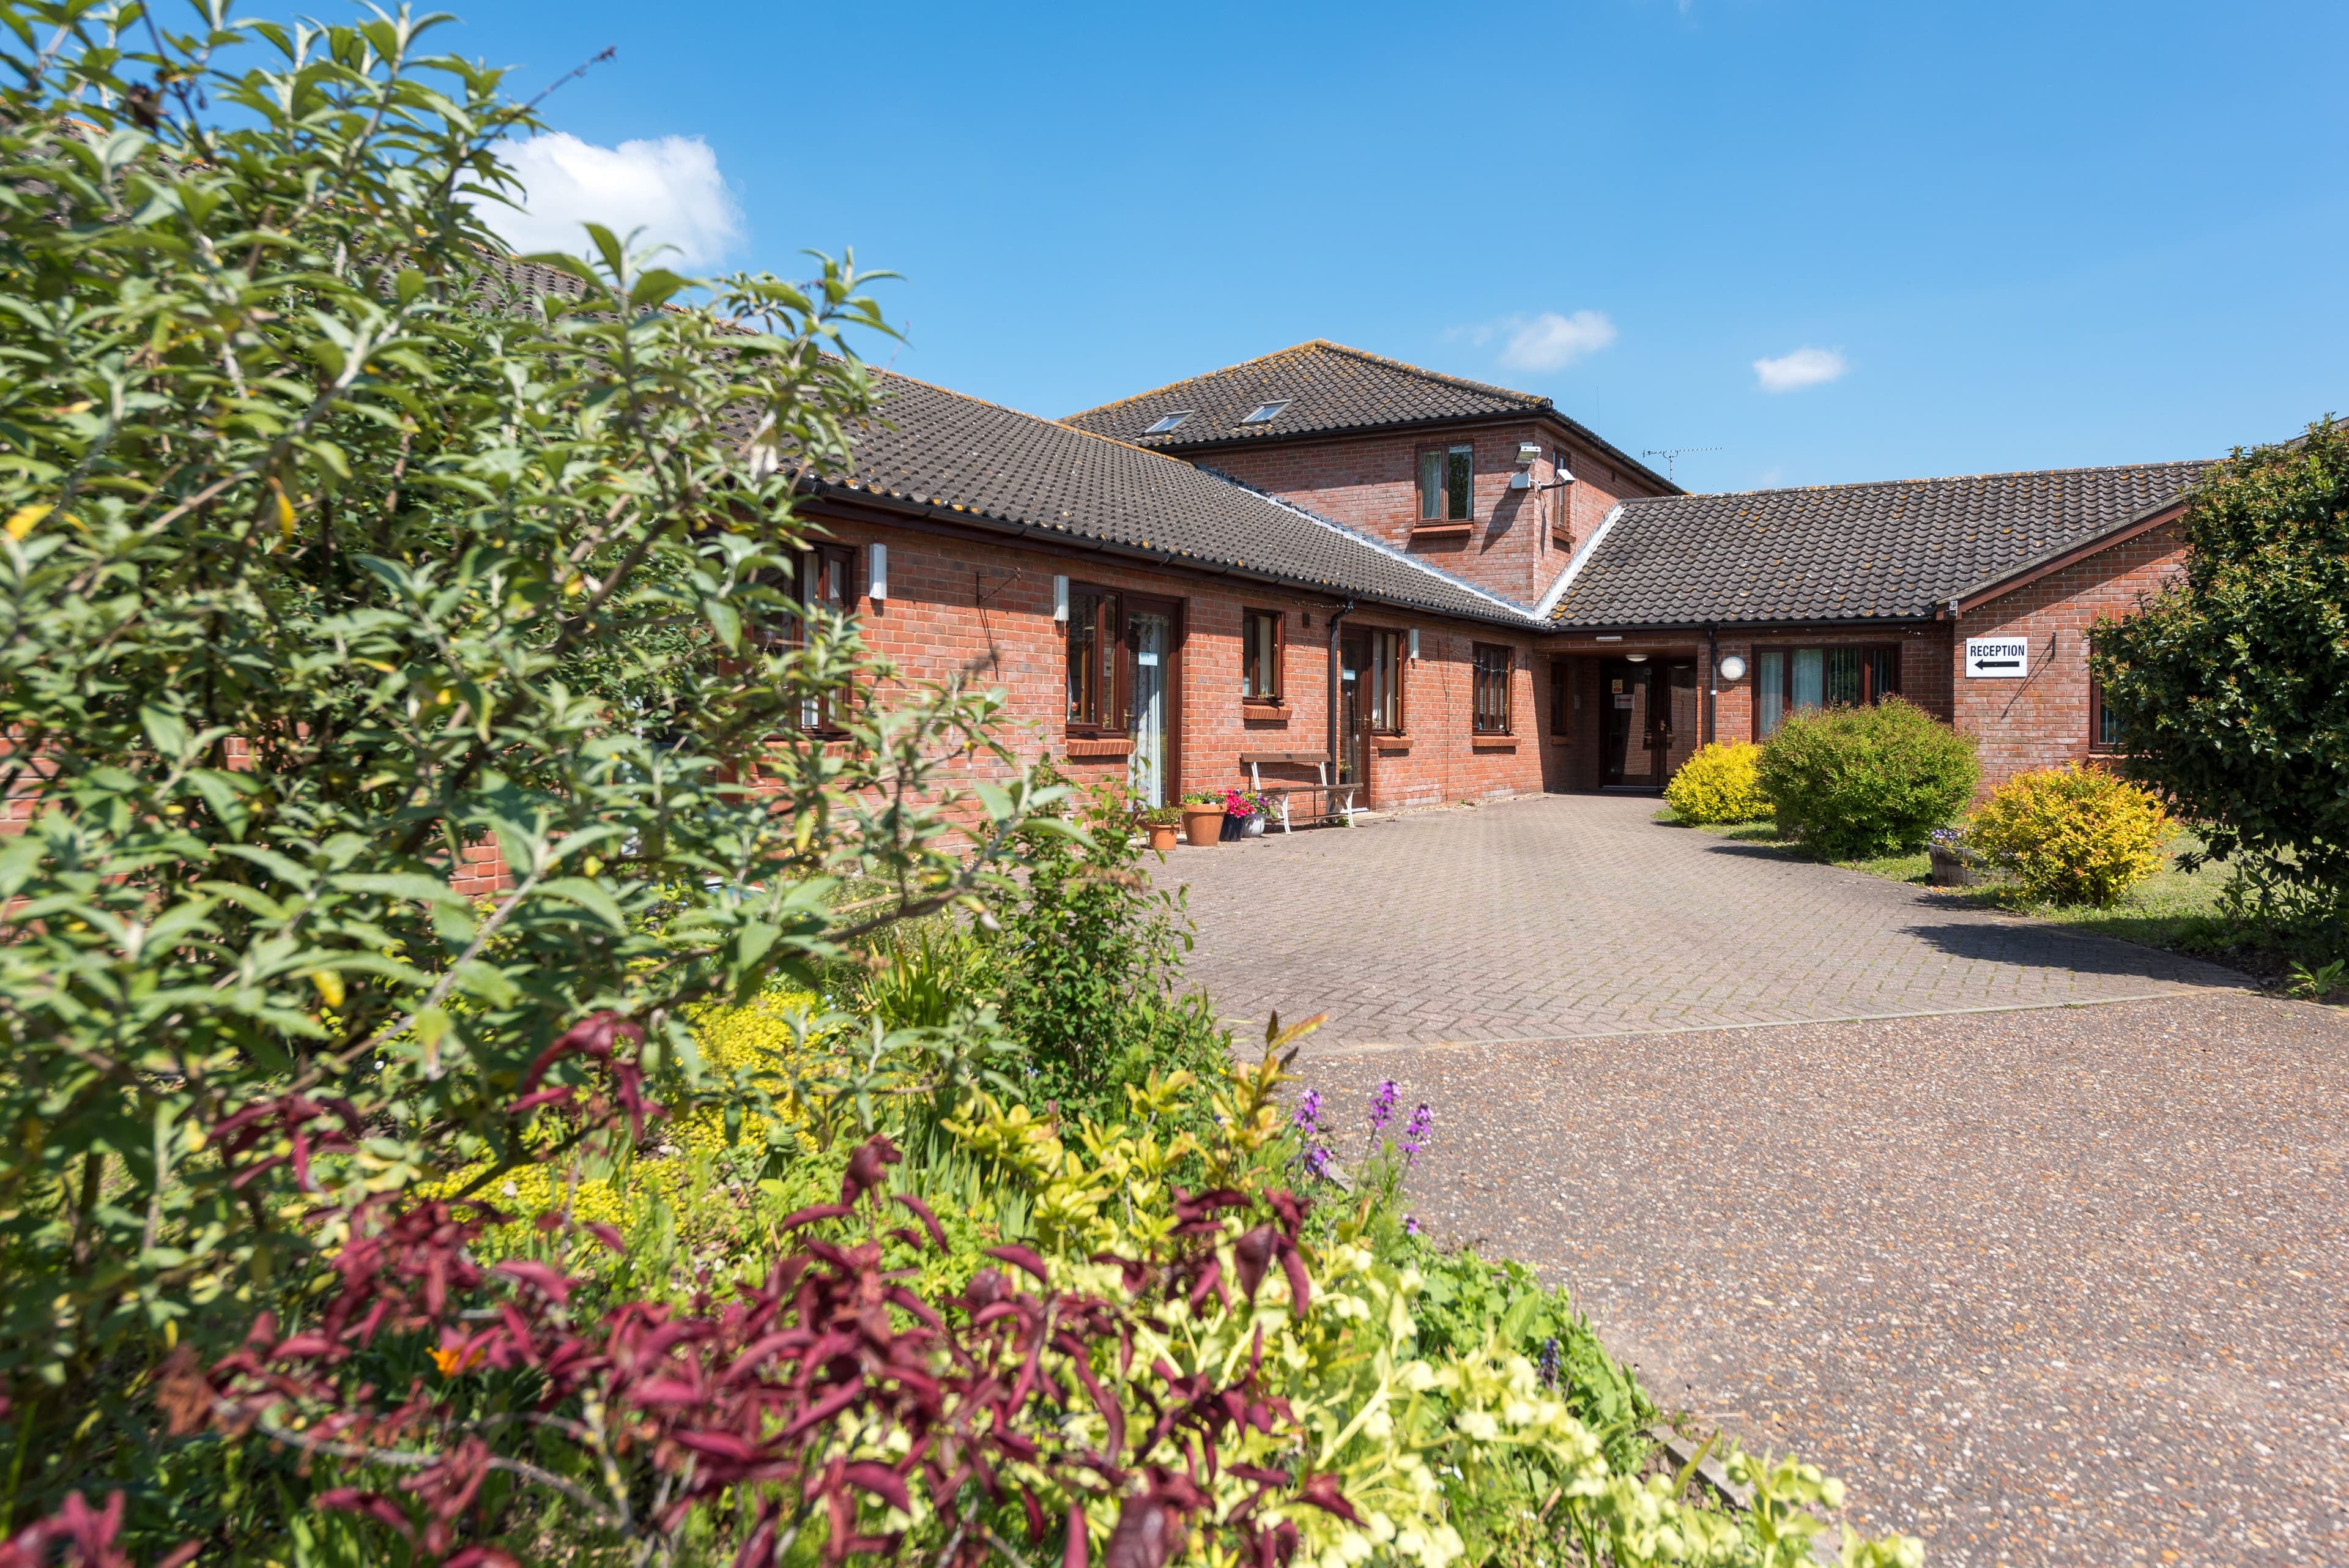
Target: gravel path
2061	1286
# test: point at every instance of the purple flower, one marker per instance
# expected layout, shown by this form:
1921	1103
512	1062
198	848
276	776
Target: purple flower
1415	1133
1410	1224
1550	1364
1308	1111
1317	1162
1382	1106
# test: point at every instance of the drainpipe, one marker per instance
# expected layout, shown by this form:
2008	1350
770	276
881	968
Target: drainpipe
1345	610
1711	682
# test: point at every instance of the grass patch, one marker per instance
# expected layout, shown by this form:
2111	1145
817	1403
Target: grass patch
2177	911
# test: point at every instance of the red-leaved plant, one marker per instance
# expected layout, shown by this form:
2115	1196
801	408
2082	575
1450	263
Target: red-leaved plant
776	1407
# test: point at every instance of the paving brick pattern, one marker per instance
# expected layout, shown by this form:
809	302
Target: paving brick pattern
1561	916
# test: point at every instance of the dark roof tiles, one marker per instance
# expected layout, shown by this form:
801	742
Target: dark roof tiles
1325	386
1895	550
941	449
934	448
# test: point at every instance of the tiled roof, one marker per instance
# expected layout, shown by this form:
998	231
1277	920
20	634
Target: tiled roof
1892	551
941	450
1328	388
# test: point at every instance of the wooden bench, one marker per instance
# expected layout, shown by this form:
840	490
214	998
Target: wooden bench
1328	802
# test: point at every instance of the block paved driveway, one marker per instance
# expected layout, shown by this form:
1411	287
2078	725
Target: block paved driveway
1563	915
2048	1283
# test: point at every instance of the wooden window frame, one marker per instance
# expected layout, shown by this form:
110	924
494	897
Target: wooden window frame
1868	694
1423	524
1249	619
2097	745
1106	619
1478	674
1395	642
816	562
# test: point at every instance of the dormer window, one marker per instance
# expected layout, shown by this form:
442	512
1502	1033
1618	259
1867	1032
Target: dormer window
1264	413
1168	422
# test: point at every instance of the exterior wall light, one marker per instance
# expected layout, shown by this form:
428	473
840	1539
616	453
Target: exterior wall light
1061	600
1636	658
1732	668
1414	645
877	574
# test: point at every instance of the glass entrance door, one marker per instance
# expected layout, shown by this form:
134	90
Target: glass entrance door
1353	706
1629	750
1680	720
1148	638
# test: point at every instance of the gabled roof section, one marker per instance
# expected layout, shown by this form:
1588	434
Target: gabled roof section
1330	389
951	455
955	454
1892	551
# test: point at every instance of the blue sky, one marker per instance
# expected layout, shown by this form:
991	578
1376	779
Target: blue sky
1958	238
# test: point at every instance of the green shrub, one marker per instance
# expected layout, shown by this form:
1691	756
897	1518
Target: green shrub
1721	783
2231	690
2073	834
1855	782
1091	956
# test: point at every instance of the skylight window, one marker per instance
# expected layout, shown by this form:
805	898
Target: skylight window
1264	413
1169	422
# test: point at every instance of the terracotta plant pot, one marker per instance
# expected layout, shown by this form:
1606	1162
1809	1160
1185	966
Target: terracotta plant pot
1162	836
1203	824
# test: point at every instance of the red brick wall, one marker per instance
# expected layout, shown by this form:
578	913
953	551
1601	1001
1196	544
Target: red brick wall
1372	482
958	602
2042	720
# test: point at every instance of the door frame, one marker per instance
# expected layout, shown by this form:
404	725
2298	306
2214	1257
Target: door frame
1610	761
1659	742
1355	746
1150	604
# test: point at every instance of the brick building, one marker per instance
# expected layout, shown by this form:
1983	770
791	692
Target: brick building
1693	617
1326	565
1325	512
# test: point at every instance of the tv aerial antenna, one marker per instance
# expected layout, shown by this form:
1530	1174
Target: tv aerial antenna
1671	455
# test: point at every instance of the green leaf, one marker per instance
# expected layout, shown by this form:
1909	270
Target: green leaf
588	894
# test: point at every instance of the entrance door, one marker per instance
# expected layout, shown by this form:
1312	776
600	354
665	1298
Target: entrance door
1680	720
1353	707
1629	750
1149	643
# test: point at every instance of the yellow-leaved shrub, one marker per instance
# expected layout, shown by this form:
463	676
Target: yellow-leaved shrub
684	1154
2073	834
1720	783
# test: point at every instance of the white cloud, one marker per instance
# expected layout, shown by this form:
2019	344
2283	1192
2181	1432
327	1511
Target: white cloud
669	188
1551	342
1803	368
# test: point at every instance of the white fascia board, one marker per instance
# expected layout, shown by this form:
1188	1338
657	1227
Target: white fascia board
1575	563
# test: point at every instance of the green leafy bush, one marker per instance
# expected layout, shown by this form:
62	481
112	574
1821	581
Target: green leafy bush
2231	688
1855	782
2073	834
325	558
1722	782
1091	961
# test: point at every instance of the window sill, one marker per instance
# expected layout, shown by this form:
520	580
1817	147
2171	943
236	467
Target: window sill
1494	743
1440	531
1100	746
1563	542
1261	711
1561	740
1391	743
